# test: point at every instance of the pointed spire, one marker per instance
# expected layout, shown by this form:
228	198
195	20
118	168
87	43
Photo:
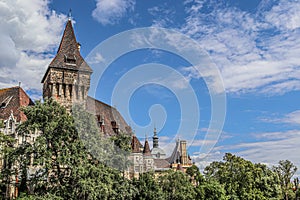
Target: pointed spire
135	147
155	138
146	151
68	44
70	15
155	132
68	54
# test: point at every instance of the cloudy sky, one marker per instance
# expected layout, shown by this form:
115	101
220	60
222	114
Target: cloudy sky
253	48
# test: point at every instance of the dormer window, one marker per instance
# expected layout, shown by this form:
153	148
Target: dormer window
3	105
115	126
71	59
5	102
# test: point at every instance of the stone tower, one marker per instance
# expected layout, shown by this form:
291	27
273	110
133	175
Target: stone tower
184	155
67	79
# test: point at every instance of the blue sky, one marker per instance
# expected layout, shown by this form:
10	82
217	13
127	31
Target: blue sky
254	45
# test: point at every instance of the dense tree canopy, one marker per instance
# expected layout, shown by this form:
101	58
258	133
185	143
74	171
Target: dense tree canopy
285	171
244	180
70	159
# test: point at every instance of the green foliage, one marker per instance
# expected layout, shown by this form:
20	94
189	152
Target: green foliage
44	197
69	166
70	159
195	175
176	186
243	179
6	157
211	190
285	171
148	188
1	123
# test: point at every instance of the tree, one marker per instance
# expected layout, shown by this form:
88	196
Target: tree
195	175
176	186
285	171
205	189
211	190
148	188
296	188
7	143
243	179
66	155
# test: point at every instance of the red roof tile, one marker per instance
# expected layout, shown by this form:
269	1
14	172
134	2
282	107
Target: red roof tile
135	145
146	150
111	117
11	100
161	163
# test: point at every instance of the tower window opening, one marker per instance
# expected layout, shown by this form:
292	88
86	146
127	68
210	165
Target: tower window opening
64	90
82	91
77	92
57	90
70	90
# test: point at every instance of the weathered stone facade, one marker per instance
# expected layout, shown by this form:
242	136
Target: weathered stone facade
11	102
67	79
66	86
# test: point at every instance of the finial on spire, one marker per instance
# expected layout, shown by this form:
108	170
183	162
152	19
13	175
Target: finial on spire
70	15
155	132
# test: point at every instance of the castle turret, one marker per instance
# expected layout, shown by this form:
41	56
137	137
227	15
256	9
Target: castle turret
148	159
156	151
184	155
155	139
67	79
146	151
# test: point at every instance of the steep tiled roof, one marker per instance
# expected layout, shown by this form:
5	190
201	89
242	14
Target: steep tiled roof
135	145
146	150
161	163
175	156
11	100
110	115
68	55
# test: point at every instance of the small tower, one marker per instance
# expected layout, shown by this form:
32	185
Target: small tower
155	139
136	158
184	155
157	152
148	159
67	79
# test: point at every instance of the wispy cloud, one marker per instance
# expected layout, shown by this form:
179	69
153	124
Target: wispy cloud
111	11
163	15
268	148
29	33
254	51
292	118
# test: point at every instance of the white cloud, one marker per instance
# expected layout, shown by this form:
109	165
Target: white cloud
255	52
285	15
203	160
273	150
293	117
270	149
163	15
111	11
28	30
98	58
